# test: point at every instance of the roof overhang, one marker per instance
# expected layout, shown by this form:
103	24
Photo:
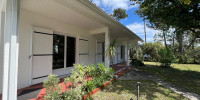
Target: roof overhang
81	13
112	21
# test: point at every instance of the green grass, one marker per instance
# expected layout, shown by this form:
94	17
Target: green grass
127	89
183	75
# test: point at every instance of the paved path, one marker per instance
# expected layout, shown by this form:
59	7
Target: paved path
139	75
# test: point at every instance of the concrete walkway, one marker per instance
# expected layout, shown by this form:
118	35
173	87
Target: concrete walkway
139	75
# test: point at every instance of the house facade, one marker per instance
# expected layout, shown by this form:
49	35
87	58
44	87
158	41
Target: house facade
42	37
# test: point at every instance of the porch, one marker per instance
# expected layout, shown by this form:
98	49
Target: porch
33	91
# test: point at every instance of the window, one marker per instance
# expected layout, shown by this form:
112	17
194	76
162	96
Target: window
122	52
58	51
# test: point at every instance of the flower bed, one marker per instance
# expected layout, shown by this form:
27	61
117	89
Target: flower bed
83	80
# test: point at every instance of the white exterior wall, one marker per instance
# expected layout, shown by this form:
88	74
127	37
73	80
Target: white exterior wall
30	19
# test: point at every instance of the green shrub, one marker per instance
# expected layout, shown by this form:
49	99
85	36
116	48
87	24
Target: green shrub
53	90
166	57
79	75
73	94
137	63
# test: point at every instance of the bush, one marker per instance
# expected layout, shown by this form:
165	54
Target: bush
137	63
52	88
166	57
79	75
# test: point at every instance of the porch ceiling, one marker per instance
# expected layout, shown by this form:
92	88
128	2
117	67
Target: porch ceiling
79	14
55	10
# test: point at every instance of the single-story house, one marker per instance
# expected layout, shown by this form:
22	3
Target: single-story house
42	37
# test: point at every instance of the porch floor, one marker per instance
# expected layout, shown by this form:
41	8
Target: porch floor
32	91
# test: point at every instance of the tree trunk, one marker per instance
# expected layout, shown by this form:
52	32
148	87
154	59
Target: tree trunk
145	31
194	61
164	35
173	42
192	42
180	40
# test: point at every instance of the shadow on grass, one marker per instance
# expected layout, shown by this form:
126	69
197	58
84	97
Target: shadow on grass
127	89
187	79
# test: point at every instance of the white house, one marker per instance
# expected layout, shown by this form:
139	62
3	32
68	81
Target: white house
40	37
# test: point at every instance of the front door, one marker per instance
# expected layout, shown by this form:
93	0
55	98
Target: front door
100	52
63	54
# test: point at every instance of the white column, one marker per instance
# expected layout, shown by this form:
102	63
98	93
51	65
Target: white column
107	43
2	16
127	50
11	47
137	49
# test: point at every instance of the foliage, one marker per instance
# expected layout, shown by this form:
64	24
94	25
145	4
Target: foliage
166	57
136	52
112	49
140	54
196	53
52	88
73	94
120	13
88	86
152	49
136	62
79	75
180	15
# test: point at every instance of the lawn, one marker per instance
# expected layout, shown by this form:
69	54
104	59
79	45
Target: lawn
183	75
127	89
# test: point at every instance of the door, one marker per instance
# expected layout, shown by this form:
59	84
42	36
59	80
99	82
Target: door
42	40
58	55
100	52
71	53
64	52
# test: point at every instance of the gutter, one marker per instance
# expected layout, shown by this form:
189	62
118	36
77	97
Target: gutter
95	8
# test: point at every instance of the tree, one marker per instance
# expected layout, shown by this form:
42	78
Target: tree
112	50
120	13
182	15
152	49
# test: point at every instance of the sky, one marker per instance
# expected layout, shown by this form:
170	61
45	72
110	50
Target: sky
133	21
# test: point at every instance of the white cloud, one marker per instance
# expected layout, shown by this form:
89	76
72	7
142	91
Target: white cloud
138	28
113	4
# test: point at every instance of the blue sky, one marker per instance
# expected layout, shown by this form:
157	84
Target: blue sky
133	21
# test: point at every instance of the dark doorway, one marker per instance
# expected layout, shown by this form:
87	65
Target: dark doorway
71	51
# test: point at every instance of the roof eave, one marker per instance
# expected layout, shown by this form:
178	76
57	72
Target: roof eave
107	16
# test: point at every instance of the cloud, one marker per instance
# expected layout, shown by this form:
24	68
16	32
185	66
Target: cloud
138	28
110	5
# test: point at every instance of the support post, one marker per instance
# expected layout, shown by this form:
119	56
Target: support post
128	55
137	49
11	47
2	16
107	43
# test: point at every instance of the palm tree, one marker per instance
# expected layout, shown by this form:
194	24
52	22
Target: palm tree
111	50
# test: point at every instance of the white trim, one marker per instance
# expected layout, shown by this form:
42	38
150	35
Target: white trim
31	55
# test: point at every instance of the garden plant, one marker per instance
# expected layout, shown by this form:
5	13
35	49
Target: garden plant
79	81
